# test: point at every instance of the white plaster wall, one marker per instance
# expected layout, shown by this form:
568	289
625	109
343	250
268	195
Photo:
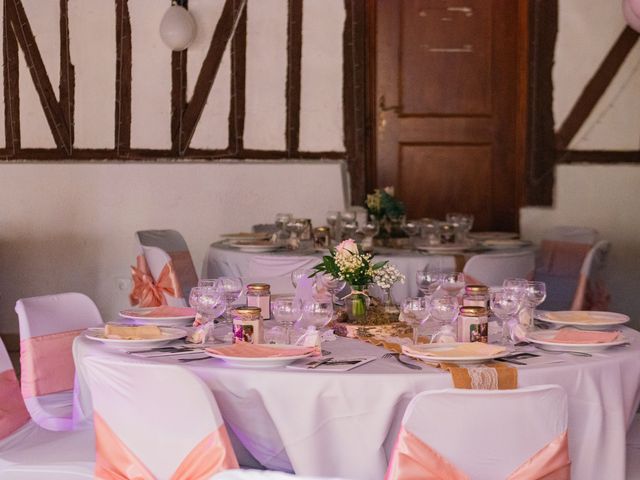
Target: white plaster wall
70	227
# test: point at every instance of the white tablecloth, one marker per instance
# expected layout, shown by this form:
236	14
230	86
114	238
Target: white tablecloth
276	268
344	424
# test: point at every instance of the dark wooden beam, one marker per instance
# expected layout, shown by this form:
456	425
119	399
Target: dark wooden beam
596	87
356	115
238	80
53	113
598	156
11	87
67	72
221	36
123	79
541	156
294	65
178	92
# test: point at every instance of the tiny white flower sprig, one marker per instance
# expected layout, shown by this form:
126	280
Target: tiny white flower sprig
387	276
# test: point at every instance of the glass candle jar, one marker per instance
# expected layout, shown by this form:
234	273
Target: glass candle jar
247	325
473	324
259	295
476	296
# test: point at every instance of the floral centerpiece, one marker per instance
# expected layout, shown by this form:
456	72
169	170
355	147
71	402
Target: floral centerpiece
347	262
385	278
388	210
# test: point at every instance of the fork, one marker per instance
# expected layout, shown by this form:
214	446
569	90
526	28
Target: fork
406	364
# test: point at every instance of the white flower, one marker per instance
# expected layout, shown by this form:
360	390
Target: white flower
386	276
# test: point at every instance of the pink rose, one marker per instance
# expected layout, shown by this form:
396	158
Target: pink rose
348	246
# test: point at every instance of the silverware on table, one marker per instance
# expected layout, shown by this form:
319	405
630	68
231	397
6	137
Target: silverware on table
406	364
185	360
570	352
317	363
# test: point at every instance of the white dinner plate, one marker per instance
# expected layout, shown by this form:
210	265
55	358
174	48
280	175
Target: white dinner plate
169	334
434	357
137	314
586	320
448	248
499	244
261	362
246	236
493	235
543	338
255	247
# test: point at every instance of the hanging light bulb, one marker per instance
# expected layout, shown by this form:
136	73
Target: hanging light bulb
177	28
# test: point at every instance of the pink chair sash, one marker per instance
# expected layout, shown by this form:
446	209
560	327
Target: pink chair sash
115	461
149	293
562	259
47	363
412	459
13	413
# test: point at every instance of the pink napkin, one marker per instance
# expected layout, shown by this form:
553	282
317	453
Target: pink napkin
166	311
573	335
249	350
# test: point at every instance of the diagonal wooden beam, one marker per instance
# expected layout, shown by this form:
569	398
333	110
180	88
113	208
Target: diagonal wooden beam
219	41
596	87
123	79
53	113
294	68
67	71
238	80
11	87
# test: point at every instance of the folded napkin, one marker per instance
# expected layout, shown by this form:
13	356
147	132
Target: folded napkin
471	349
141	332
167	311
577	317
573	335
250	350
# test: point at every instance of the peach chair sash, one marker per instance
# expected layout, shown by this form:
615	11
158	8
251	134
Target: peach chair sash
13	413
115	461
149	293
47	363
414	459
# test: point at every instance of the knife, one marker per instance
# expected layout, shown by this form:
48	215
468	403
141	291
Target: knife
319	362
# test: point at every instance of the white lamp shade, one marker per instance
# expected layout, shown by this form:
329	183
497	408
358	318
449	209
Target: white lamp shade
177	28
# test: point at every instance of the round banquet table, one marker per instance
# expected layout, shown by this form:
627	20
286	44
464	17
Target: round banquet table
275	268
343	424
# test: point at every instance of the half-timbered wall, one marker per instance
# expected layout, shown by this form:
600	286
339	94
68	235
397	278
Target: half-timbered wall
67	217
605	196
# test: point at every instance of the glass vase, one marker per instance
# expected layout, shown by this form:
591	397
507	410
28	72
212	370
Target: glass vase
357	304
389	306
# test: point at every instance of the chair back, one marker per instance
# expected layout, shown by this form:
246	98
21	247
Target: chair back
13	413
159	421
164	248
486	434
572	234
492	269
591	293
48	325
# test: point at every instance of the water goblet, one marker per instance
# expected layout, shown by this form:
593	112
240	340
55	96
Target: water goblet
333	285
230	289
429	231
369	229
535	294
504	303
452	283
519	287
300	273
412	229
316	313
286	311
209	303
415	311
208	282
349	228
428	281
444	309
333	220
282	219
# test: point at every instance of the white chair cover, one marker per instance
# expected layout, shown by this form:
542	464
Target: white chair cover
573	234
262	475
492	269
161	246
633	449
488	433
159	413
48	325
31	452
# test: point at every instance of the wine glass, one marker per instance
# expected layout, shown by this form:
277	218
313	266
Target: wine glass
370	229
412	229
282	220
349	228
444	309
333	285
428	281
535	294
209	303
230	288
333	220
415	310
519	287
286	311
316	313
462	223
452	283
429	230
504	303
208	282
300	273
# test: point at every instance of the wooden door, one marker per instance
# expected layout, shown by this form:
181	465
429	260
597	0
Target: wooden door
450	78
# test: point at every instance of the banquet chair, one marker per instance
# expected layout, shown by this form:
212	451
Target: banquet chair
165	256
633	449
28	451
48	326
572	234
157	421
492	269
262	475
484	434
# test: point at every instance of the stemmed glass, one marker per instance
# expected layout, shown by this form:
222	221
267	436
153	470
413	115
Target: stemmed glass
428	281
282	220
333	220
286	311
412	229
429	230
299	274
518	286
230	289
452	283
370	229
505	303
462	223
444	309
209	303
316	313
333	285
415	310
536	293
